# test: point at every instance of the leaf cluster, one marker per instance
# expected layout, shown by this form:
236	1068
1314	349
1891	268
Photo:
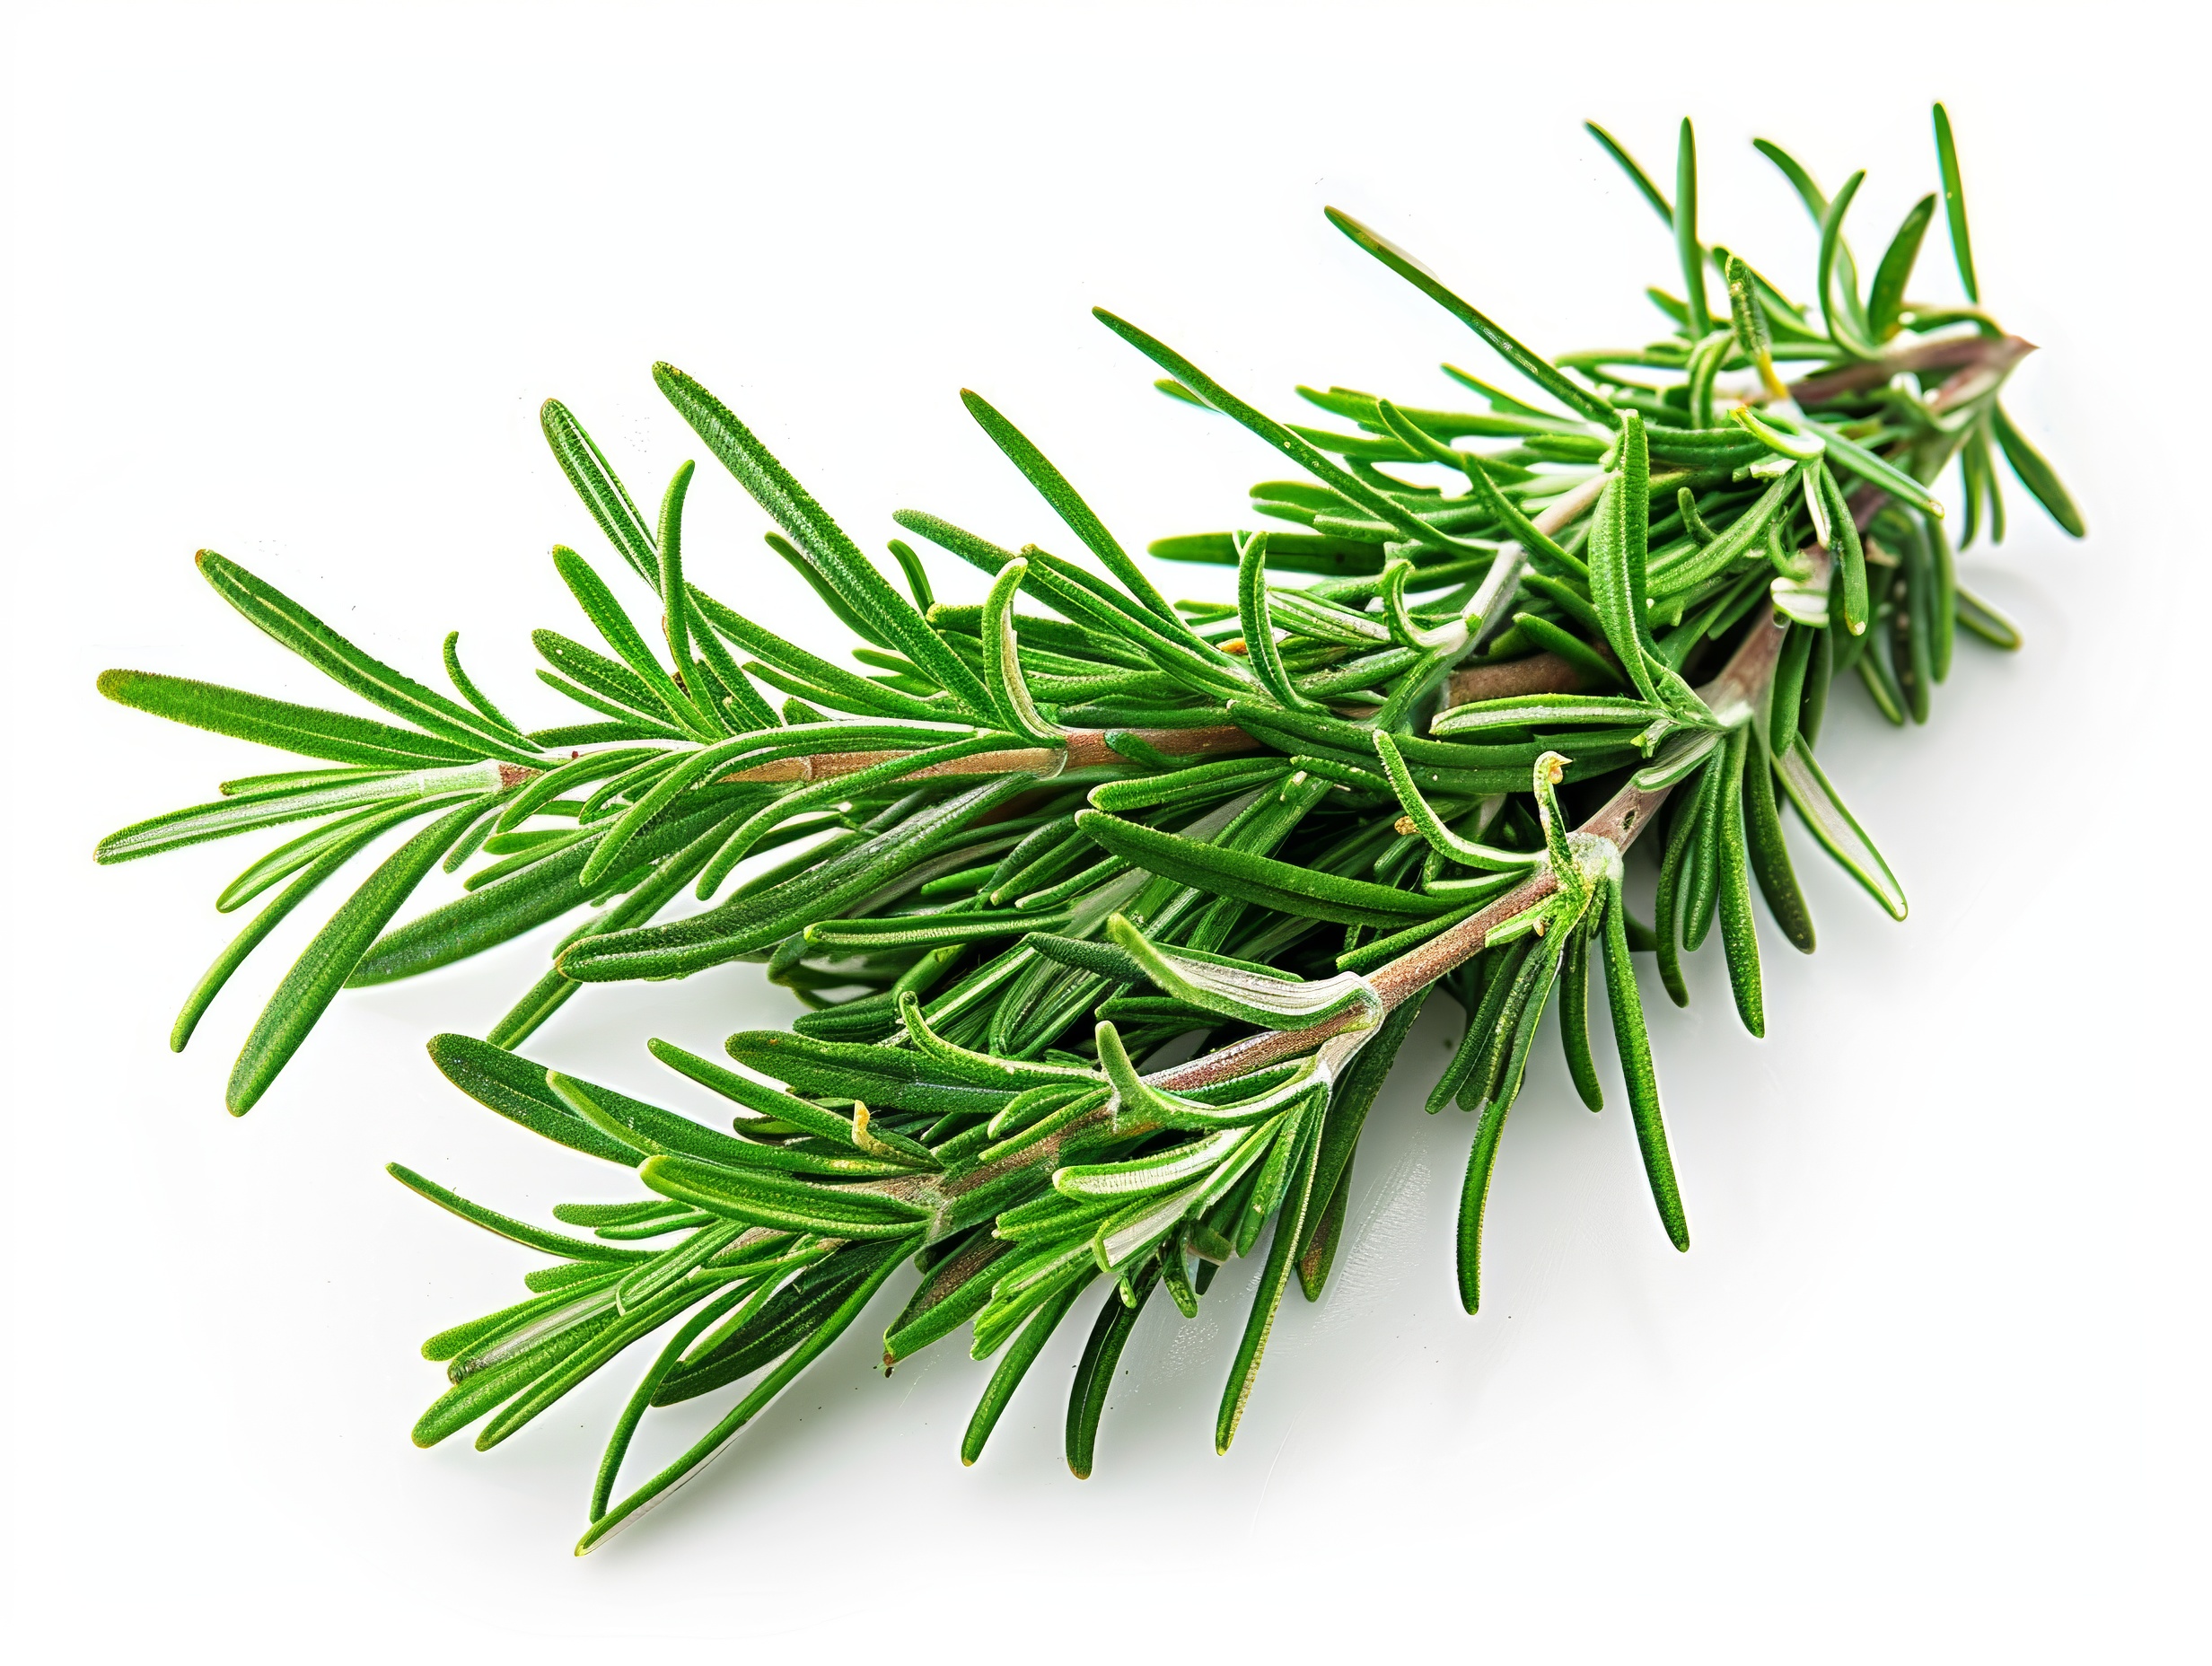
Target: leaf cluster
1015	849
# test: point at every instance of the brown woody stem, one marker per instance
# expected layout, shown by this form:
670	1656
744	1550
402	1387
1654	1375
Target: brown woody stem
1973	357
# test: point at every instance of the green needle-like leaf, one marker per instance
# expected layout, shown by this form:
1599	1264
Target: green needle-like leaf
468	691
1017	1360
758	1198
1258	620
831	1328
1686	245
375	681
1836	311
675	594
520	1231
1888	294
1570	394
1262	880
747	923
1095	1371
1616	555
1002	663
321	971
1491	1087
1835	827
1636	176
1574	1019
821	539
1053	486
247	813
1770	855
308	730
613	624
1738	932
1299	450
1850	576
1298	1200
2036	475
1635	1070
1954	204
334	852
603	494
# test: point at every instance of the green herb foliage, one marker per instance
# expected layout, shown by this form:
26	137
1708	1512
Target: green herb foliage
1025	845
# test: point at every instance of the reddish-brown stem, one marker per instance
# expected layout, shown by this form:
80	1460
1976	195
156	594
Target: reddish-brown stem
1969	356
1540	673
1084	747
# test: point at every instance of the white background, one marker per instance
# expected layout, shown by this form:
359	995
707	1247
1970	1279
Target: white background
290	281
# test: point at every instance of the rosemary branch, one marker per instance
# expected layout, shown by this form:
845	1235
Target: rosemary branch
1031	848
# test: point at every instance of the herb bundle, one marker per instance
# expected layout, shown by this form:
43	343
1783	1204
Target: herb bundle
1036	841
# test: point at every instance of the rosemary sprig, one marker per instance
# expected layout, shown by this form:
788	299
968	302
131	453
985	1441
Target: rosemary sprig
1040	838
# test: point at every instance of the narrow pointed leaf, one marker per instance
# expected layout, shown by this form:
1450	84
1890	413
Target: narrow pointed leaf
1636	1068
831	1328
339	660
1834	827
321	971
1262	880
308	730
823	542
602	493
1887	297
1095	1371
1636	176
1954	204
1267	1299
2036	474
1686	245
1537	370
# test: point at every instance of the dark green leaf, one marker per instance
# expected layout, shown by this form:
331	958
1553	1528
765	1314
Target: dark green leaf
504	909
751	922
1568	393
1263	880
305	729
883	1078
2036	474
819	538
613	624
339	660
1887	297
321	971
1053	486
715	1439
1700	322
1954	204
467	689
1018	1359
515	1087
521	1232
1778	879
330	858
1835	276
1095	1371
1739	932
602	493
1297	1201
1636	1069
1636	176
